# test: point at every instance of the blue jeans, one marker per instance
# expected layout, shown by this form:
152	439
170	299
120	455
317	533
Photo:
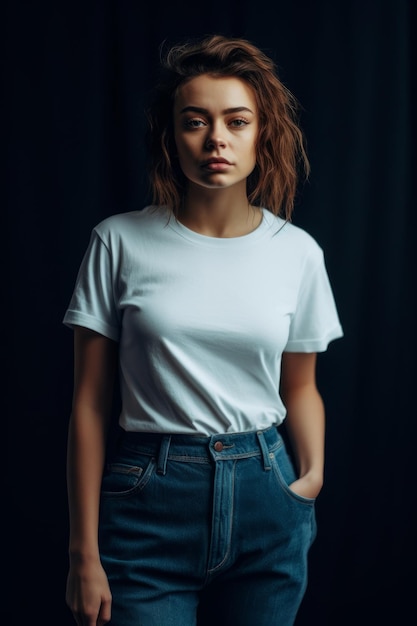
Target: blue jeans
204	530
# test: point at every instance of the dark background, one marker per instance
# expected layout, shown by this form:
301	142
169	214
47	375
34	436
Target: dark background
76	77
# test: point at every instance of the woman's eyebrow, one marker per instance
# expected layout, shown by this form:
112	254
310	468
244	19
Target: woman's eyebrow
195	109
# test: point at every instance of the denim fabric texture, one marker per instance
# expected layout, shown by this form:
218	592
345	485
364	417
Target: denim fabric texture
204	530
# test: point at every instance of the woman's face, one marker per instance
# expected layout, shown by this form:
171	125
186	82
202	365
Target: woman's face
216	127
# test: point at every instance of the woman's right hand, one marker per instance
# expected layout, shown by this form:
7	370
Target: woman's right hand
88	593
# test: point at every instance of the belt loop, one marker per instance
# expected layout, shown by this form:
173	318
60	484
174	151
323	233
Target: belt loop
163	455
265	451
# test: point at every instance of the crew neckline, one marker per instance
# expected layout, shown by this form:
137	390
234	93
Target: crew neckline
242	240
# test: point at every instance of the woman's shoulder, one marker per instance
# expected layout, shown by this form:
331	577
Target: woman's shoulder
295	236
120	224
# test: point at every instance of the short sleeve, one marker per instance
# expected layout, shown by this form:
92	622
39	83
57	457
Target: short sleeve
92	304
315	322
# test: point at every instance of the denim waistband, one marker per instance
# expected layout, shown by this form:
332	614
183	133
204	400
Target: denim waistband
218	447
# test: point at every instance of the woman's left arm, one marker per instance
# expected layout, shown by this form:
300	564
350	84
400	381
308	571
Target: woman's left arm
305	420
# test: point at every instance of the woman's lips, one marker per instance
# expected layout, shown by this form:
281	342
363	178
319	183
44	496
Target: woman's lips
216	165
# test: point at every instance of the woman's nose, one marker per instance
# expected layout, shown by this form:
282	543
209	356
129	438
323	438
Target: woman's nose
215	139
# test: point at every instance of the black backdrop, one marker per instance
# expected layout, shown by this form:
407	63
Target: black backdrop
75	81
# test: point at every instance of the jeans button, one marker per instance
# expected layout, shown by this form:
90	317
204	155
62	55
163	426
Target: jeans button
218	446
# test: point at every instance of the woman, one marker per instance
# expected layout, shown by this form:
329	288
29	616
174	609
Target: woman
212	307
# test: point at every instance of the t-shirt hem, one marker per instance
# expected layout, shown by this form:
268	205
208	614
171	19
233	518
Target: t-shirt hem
314	345
77	318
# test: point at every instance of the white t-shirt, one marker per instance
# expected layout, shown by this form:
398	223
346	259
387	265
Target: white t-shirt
202	321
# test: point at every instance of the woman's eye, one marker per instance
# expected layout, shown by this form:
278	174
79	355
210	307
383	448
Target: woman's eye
239	123
194	123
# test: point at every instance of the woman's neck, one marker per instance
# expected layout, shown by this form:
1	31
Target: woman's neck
219	214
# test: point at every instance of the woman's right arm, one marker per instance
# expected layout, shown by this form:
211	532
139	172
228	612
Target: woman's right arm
95	363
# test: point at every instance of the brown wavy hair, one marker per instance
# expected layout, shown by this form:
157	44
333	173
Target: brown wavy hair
280	150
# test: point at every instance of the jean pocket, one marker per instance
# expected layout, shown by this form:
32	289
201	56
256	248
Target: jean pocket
121	479
285	473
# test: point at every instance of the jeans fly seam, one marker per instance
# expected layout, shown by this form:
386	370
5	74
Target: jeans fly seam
229	534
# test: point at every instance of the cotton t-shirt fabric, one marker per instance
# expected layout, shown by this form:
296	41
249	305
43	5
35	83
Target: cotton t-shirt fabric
202	321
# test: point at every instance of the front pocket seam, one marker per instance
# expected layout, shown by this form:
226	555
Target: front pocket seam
141	484
294	496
